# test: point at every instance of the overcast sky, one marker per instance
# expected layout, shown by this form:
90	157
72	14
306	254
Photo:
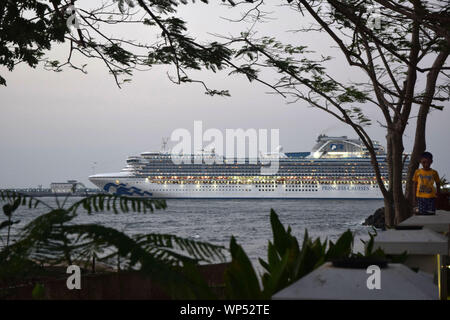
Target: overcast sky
67	125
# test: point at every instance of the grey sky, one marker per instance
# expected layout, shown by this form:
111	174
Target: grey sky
54	126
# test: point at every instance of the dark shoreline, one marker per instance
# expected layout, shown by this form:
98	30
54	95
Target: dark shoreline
52	194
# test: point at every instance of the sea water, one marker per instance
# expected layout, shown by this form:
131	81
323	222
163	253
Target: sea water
215	221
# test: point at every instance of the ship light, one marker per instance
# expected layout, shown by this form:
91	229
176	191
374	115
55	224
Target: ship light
117	182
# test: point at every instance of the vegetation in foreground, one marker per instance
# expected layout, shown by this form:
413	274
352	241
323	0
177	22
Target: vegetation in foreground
54	239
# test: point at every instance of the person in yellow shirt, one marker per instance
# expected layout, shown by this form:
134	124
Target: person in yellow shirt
424	180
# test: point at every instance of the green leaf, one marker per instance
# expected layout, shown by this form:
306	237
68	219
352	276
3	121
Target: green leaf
38	292
19	199
342	248
240	277
281	238
273	256
16	204
7	210
5	224
278	277
96	203
264	264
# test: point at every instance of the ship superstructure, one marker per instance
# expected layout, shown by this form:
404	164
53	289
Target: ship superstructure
337	167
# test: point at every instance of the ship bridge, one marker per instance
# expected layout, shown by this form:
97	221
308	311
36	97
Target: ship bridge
342	147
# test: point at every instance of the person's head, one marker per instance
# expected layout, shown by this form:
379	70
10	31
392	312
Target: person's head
426	160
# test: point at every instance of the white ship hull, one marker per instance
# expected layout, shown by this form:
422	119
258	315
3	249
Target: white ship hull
132	186
336	168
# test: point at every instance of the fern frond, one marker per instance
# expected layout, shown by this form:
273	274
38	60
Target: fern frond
53	238
202	251
161	265
98	203
21	198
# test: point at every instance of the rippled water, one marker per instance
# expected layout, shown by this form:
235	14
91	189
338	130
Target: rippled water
215	221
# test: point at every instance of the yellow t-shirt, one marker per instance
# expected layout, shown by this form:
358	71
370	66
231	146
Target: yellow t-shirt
425	183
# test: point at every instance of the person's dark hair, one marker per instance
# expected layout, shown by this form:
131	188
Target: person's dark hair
427	155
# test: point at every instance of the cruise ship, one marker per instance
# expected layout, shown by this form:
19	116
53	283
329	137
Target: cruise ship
336	168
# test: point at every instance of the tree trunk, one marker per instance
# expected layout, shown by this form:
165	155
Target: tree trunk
389	212
419	140
397	207
401	207
418	149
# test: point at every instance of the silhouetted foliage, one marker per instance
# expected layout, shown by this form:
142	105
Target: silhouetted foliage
29	28
287	262
54	238
401	50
